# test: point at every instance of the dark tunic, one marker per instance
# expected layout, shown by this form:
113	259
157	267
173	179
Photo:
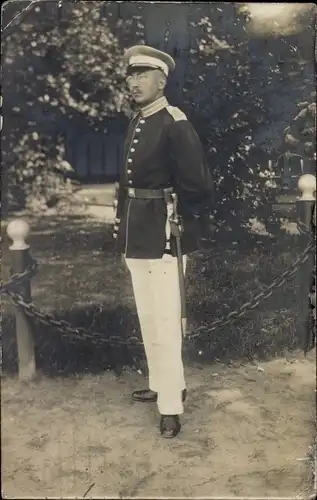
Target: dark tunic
161	149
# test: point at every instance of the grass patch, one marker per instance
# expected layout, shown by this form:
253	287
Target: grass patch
81	280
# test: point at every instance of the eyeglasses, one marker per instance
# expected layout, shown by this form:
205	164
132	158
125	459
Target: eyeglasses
139	77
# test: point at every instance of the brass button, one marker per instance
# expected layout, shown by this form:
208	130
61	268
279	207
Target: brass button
138	129
136	141
132	150
129	160
142	121
130	182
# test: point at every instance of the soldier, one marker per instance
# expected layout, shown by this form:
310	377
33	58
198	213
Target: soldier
162	156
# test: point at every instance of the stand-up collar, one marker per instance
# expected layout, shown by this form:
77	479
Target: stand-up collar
154	107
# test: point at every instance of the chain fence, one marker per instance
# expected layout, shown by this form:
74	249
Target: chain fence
201	332
19	279
204	331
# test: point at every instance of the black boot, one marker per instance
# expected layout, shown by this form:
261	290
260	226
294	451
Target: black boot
170	426
144	396
148	396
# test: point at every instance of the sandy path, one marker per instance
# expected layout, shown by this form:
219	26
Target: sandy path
246	432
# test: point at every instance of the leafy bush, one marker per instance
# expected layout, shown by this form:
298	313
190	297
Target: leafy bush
38	177
67	70
235	109
300	135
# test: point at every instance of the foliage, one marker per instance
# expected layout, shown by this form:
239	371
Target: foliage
64	58
37	177
236	107
68	69
69	72
300	135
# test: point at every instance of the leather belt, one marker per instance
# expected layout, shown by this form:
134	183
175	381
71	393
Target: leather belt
148	194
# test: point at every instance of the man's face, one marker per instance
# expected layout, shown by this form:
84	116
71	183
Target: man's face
145	84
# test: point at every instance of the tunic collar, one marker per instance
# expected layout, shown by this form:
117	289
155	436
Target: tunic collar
154	107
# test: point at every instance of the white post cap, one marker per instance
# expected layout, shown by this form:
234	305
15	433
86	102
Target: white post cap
18	230
307	186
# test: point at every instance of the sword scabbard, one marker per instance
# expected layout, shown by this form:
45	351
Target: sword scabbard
176	231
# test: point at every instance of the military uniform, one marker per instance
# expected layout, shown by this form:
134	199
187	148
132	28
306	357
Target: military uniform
161	150
162	153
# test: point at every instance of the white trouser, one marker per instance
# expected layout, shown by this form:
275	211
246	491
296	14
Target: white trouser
157	297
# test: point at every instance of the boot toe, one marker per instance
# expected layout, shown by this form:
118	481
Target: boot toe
170	426
144	396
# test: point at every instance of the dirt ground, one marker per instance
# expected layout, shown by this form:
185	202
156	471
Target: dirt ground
247	430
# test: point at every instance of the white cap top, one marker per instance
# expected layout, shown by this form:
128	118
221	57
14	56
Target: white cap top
149	57
149	62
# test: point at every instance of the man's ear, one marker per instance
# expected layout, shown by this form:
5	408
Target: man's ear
162	81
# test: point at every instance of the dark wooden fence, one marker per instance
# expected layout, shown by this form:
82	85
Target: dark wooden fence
95	156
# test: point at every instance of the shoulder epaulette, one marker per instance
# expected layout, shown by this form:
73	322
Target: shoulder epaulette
176	113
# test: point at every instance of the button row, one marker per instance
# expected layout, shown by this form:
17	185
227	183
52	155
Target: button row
132	150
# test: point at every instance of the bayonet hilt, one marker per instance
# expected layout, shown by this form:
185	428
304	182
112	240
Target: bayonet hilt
175	221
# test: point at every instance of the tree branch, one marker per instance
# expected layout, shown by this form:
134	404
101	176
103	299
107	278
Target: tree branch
19	14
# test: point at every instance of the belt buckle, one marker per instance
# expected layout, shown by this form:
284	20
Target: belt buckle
131	192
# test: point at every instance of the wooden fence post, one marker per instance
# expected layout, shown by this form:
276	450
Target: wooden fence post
305	207
18	231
